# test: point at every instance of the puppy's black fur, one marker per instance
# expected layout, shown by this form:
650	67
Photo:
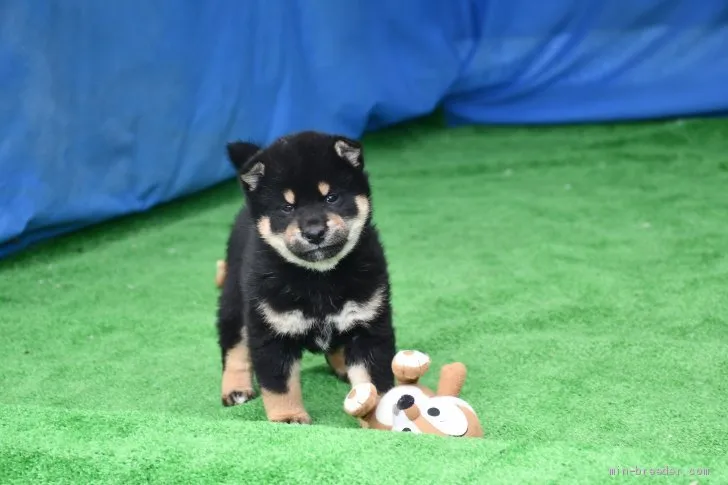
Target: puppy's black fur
305	268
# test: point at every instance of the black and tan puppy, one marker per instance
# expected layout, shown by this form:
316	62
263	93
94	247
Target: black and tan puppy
305	271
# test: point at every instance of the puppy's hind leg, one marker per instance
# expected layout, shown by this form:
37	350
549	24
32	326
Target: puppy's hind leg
337	363
220	273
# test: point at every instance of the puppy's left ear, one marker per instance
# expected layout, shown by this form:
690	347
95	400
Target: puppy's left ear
350	151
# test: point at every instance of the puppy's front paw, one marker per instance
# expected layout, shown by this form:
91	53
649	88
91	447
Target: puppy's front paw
409	365
237	386
361	400
301	417
233	398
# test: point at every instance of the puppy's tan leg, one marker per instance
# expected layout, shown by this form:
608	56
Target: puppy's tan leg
221	273
237	376
358	374
337	362
355	374
287	407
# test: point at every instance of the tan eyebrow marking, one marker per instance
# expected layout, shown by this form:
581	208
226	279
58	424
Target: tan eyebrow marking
289	196
324	188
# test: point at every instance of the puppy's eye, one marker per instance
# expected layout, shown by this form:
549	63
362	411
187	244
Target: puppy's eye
433	412
287	208
331	198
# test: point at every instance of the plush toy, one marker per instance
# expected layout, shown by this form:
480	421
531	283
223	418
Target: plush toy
410	406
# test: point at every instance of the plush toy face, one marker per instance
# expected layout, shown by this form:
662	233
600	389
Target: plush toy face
387	408
412	407
442	415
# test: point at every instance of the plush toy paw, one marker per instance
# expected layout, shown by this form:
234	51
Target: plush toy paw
409	365
361	400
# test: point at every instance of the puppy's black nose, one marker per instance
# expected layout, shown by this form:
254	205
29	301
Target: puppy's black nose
405	402
314	233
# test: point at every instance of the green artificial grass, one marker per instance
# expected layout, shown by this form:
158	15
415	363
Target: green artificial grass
579	272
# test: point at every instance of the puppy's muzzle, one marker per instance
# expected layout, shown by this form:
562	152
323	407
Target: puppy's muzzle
314	231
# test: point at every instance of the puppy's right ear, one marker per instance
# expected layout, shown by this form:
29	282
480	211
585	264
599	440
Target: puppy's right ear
249	172
240	152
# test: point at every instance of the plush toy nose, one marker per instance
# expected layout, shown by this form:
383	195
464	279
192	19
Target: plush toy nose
405	402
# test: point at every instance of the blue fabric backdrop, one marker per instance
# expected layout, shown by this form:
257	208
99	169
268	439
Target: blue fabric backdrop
111	107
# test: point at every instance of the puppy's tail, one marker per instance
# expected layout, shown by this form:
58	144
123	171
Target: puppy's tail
240	152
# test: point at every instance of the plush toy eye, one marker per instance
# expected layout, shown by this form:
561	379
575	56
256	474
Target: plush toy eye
331	198
287	208
406	429
444	413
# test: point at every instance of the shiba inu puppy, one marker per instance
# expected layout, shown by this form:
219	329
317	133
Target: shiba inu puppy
304	271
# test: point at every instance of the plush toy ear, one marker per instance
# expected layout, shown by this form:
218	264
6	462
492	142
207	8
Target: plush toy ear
452	379
249	171
350	151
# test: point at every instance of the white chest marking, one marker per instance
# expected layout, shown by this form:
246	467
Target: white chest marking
292	323
353	313
295	323
323	340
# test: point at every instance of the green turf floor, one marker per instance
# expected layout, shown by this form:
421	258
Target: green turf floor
580	273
